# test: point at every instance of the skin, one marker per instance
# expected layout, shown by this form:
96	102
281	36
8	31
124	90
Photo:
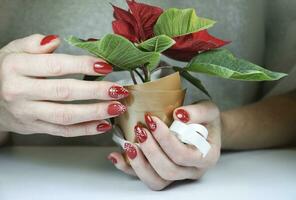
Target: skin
163	159
30	103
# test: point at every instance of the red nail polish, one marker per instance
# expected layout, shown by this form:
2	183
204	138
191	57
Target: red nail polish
112	159
141	134
130	150
116	109
102	68
103	127
47	39
118	92
182	115
150	123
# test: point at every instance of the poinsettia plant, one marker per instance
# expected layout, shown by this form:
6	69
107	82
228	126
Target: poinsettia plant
144	32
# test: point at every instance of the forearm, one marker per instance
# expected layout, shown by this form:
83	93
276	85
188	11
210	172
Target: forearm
267	123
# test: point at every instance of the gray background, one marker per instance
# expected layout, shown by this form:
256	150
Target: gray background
261	31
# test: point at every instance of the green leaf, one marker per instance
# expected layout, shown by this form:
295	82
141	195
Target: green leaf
193	80
223	64
176	22
118	51
158	43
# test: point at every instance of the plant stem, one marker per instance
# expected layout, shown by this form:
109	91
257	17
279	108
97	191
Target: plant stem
140	75
146	73
133	77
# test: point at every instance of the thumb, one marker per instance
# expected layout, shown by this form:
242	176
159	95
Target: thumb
202	112
35	44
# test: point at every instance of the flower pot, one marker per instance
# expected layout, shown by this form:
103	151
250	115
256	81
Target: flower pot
159	98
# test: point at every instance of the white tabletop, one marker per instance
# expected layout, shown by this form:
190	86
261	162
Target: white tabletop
29	173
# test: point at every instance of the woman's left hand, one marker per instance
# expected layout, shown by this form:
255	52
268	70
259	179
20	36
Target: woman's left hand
161	158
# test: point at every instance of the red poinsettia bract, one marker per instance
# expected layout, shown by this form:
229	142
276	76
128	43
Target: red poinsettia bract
188	46
137	24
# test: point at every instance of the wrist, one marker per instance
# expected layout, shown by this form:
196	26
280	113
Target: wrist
227	125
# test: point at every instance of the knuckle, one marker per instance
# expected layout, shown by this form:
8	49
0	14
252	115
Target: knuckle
10	92
18	113
169	174
87	130
8	62
63	116
64	131
202	110
53	67
84	62
99	111
96	91
179	159
165	139
62	90
149	152
124	167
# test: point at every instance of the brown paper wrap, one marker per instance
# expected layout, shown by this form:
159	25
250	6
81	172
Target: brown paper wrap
159	98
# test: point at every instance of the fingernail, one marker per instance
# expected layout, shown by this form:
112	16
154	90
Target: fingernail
116	109
150	123
47	39
112	159
118	92
141	134
182	115
102	68
130	150
103	127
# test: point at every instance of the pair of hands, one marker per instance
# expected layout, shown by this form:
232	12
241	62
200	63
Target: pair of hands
161	158
31	103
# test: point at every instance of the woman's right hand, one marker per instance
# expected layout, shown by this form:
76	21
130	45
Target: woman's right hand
30	103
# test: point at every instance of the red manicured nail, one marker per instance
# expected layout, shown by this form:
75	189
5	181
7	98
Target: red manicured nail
182	115
102	68
116	109
150	123
130	150
103	127
118	92
141	134
47	39
112	159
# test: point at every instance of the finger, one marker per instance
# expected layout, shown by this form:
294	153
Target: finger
82	129
178	152
66	114
203	112
34	44
166	169
71	89
207	113
143	169
48	65
118	160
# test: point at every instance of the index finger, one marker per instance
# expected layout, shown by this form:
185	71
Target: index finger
48	65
